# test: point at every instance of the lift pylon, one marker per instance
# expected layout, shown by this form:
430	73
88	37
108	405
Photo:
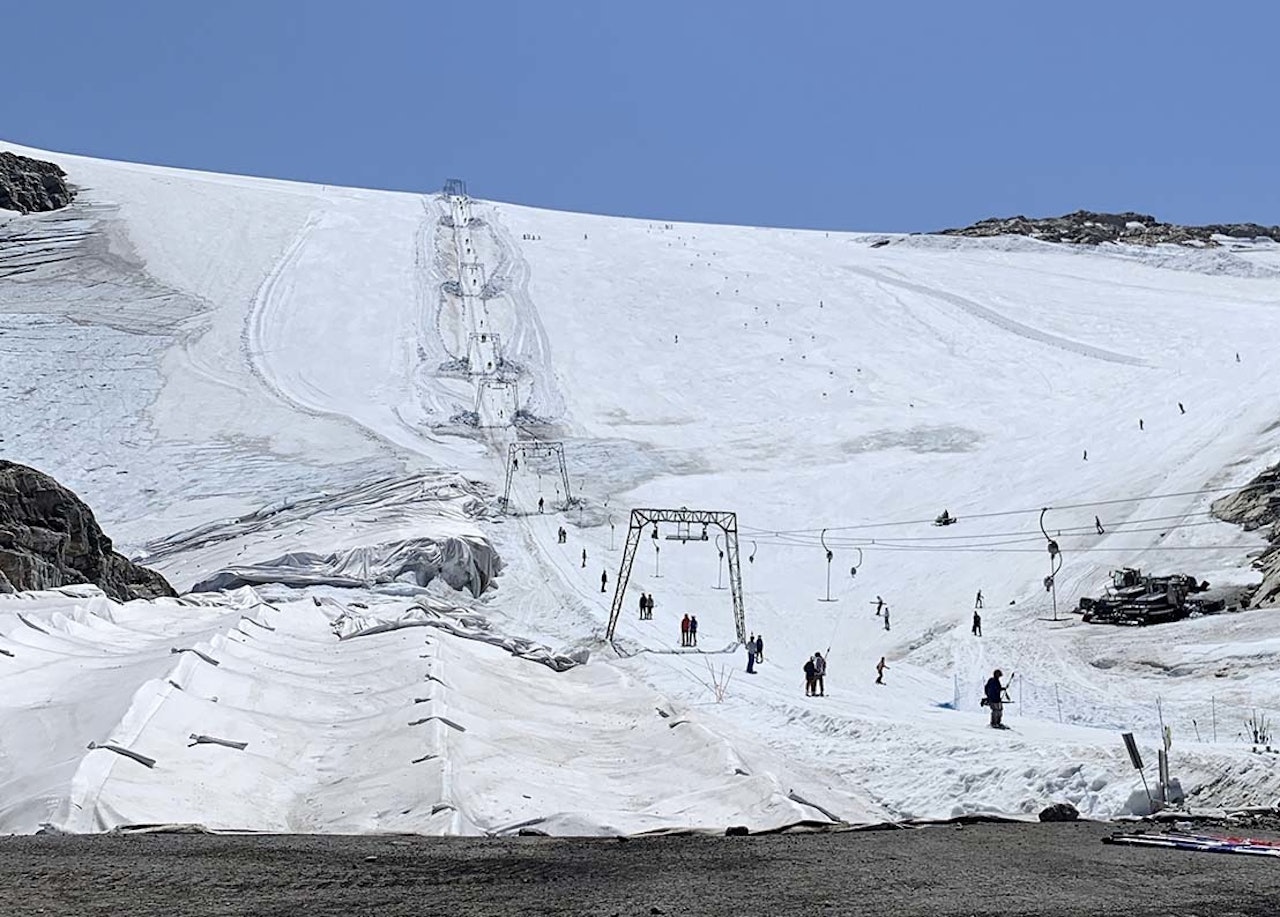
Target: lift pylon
640	518
535	449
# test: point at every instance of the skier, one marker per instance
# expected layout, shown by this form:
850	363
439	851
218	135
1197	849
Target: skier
693	630
1086	455
886	617
994	695
584	558
977	602
1141	425
820	674
881	668
977	623
759	647
684	631
541	504
751	655
879	605
604	579
1097	524
1181	409
808	677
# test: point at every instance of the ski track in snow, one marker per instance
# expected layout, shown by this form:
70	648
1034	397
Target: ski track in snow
978	310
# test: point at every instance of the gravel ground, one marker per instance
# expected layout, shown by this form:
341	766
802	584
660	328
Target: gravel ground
1009	870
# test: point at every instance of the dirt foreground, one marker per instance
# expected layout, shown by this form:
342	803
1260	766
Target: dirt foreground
1006	870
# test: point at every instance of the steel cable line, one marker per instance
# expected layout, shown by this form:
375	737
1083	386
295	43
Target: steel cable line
1016	512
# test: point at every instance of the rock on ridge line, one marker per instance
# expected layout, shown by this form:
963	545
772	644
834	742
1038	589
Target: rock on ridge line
1256	507
32	185
49	538
1085	227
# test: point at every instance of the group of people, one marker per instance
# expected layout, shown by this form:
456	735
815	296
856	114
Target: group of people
646	607
815	676
688	630
755	652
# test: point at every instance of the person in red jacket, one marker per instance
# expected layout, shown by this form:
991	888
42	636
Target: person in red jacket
684	631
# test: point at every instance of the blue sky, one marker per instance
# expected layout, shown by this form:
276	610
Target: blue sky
842	115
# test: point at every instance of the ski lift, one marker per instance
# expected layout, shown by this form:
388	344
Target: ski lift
1055	563
945	518
751	558
830	556
853	571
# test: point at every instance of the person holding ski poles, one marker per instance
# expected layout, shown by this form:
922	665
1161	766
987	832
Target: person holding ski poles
994	696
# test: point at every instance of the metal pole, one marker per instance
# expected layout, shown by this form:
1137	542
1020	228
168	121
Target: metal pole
657	561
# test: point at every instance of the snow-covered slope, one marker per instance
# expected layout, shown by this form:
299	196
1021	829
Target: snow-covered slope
236	371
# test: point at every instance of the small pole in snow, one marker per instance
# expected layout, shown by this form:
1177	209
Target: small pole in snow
1057	697
1213	708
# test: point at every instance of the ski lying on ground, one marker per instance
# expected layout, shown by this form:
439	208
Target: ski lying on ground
1209	843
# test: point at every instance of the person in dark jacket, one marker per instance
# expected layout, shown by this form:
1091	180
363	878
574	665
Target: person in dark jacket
993	698
809	680
693	630
977	623
644	605
684	631
759	647
820	674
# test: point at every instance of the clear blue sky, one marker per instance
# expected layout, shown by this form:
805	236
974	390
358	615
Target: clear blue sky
889	115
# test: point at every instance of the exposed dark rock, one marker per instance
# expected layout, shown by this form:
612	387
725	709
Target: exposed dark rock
1257	507
1087	228
31	185
1060	811
49	538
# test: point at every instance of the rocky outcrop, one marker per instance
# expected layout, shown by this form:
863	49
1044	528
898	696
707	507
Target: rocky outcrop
1087	228
31	185
1257	507
1060	811
49	538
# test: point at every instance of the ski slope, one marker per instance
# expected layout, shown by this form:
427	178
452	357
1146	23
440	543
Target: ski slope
244	375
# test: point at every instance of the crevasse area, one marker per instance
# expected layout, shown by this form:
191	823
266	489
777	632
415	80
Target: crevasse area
304	395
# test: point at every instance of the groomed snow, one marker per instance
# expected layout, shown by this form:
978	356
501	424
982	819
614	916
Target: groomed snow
235	370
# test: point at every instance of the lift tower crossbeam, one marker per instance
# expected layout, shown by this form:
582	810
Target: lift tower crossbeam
726	522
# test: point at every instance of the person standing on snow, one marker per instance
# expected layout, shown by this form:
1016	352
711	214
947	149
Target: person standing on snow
541	503
977	623
644	605
977	602
759	647
994	695
684	631
879	605
886	617
604	579
808	677
693	630
584	558
881	668
820	674
751	655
